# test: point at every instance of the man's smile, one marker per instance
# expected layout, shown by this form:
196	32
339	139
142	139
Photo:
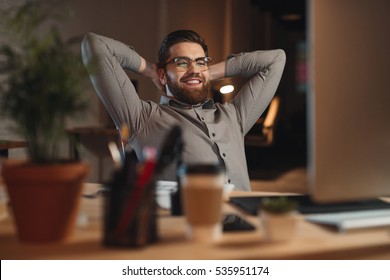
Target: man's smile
192	81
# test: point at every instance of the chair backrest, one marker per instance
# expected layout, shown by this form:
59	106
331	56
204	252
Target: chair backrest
266	136
272	113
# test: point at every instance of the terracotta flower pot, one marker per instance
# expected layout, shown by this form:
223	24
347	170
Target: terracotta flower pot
44	198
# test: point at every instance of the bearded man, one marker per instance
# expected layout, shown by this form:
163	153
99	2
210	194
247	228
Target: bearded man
211	132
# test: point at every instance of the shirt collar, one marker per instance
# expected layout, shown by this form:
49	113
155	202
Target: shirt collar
208	104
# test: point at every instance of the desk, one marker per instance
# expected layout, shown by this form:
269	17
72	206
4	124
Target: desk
6	145
310	242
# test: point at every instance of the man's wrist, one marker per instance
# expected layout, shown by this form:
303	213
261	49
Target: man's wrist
217	71
147	69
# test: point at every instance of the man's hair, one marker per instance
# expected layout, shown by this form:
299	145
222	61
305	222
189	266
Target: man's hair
178	36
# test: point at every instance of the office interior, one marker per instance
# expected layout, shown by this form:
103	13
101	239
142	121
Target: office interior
228	26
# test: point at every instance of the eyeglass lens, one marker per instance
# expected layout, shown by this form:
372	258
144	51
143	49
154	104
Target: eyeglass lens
183	63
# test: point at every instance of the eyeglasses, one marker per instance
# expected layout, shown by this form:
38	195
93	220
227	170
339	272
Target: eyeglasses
183	63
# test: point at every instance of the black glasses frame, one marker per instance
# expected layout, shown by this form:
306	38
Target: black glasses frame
206	60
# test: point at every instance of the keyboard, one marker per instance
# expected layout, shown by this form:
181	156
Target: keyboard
352	220
307	206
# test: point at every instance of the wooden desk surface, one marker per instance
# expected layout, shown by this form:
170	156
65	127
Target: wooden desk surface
310	242
12	144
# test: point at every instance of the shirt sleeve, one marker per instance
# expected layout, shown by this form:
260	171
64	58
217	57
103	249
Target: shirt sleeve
264	70
109	59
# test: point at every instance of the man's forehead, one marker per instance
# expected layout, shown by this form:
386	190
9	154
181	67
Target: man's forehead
191	50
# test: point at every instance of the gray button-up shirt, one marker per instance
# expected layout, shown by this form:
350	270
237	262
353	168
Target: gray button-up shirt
212	132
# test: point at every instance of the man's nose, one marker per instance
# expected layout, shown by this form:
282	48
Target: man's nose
192	68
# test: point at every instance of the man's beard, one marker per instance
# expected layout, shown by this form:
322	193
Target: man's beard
188	95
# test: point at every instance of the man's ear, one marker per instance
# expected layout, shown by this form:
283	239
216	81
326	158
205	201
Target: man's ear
162	76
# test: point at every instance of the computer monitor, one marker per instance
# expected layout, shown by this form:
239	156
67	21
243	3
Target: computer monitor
348	99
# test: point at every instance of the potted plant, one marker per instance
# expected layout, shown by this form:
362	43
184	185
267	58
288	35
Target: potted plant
278	217
42	87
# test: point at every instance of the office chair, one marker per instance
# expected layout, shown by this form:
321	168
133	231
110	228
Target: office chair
262	134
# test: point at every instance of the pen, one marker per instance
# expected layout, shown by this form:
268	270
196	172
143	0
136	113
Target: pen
124	136
115	154
134	199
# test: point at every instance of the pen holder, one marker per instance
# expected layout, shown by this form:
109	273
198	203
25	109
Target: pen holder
129	213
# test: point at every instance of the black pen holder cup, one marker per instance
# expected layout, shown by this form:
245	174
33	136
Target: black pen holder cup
129	215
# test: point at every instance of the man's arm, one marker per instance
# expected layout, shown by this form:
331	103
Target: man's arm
112	84
264	70
217	71
149	70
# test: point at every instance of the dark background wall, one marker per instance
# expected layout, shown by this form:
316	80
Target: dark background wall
229	26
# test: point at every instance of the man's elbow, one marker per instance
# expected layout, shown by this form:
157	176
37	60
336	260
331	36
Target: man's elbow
280	59
281	55
87	47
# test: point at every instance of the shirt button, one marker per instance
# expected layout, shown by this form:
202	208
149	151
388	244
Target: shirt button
213	134
202	118
229	181
224	154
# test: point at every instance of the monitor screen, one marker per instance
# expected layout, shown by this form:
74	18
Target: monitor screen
348	99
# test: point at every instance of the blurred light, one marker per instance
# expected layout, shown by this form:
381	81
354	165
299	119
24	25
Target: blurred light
291	17
226	89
